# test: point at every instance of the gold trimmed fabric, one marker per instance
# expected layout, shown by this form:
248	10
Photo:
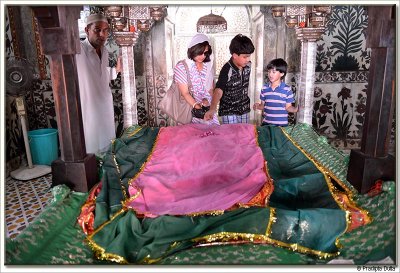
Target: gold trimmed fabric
306	212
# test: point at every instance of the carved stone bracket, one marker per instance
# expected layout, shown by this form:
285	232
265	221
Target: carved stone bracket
310	34
125	38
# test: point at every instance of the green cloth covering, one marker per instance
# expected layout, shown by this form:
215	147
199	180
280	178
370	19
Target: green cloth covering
54	238
298	183
303	205
131	150
151	238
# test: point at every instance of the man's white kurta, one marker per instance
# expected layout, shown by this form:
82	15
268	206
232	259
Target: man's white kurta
96	98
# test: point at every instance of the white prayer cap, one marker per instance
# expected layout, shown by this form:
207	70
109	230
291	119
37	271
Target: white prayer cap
198	39
92	18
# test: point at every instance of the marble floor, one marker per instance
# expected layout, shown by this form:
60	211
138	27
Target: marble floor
24	201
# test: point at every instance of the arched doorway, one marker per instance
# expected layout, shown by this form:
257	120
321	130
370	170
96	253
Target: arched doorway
247	20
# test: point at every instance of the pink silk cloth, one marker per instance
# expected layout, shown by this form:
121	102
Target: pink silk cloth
198	169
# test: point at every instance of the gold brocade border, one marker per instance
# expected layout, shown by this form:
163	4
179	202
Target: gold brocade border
256	135
208	212
100	252
131	180
347	205
147	159
318	164
114	157
334	191
266	163
221	238
124	191
149	260
261	199
134	132
268	187
272	219
195	214
226	238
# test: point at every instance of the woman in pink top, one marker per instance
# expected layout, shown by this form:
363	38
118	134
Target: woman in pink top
201	72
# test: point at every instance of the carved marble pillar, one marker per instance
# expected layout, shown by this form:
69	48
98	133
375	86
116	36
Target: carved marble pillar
150	83
126	41
308	37
257	29
127	22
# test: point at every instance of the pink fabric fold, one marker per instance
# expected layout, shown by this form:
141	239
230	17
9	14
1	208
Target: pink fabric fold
197	168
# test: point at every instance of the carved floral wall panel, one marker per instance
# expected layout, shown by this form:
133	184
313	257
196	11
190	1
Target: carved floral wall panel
341	79
342	65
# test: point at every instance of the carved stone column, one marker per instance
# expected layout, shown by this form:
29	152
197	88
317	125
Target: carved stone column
308	37
257	27
372	161
59	37
127	22
150	82
126	41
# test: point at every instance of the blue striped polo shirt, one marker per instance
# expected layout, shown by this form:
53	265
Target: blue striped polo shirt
275	102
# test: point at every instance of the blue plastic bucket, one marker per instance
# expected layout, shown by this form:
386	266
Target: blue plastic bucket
44	146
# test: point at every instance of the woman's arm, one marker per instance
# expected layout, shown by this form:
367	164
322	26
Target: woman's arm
206	101
216	97
184	90
218	92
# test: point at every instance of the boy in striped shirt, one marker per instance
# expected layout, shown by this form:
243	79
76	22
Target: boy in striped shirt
276	96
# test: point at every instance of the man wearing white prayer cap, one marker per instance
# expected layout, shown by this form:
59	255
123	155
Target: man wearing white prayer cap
96	17
97	31
94	76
